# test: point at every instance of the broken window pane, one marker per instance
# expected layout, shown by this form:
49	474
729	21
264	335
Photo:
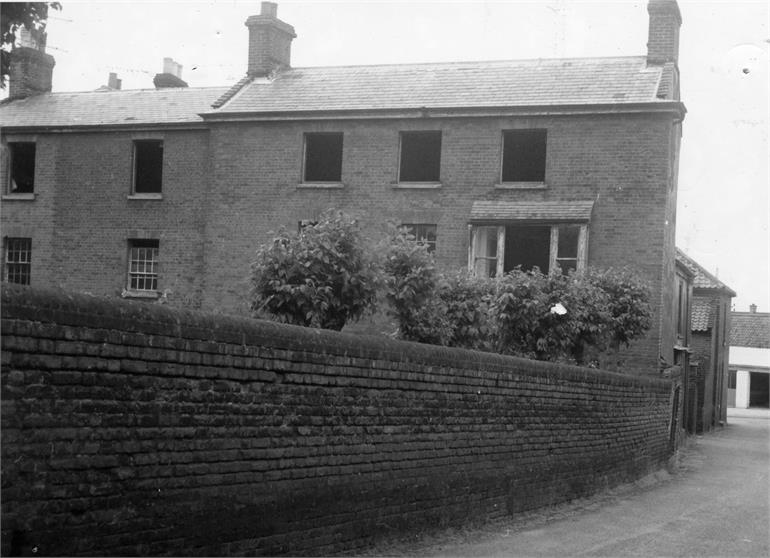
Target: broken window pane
18	260
148	166
420	157
323	157
22	179
423	232
524	156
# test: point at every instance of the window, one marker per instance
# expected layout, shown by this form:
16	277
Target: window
301	225
420	157
148	166
22	167
500	248
18	260
143	265
524	156
731	379
424	233
323	157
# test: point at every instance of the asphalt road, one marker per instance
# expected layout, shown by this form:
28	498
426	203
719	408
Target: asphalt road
715	503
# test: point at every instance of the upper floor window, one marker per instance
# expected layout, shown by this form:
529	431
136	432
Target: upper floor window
143	265
323	157
22	168
423	232
524	155
498	249
420	157
18	260
148	166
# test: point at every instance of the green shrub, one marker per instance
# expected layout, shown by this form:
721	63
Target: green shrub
323	276
466	301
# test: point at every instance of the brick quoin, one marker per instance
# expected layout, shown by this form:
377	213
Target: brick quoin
135	429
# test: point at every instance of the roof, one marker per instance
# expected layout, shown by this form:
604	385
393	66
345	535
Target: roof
750	329
702	279
702	314
111	108
517	83
577	211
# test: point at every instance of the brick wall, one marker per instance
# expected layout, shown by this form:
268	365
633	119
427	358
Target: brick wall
137	429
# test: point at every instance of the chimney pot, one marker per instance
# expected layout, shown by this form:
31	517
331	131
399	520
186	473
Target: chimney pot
269	41
269	9
753	308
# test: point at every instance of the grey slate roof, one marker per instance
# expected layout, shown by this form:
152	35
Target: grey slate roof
577	211
516	83
702	278
105	108
750	329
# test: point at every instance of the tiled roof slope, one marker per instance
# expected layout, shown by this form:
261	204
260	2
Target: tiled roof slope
702	313
105	108
703	279
517	83
531	211
750	329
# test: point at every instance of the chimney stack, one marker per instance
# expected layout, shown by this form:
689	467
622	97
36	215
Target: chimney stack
663	38
171	76
269	42
753	308
113	82
31	69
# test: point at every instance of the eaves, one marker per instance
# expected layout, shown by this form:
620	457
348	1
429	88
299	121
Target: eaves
101	128
675	109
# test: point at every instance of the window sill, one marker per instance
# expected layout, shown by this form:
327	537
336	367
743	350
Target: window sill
417	185
151	295
148	196
321	185
521	186
19	197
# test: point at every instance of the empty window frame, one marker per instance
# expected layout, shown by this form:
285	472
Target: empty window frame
18	260
423	232
524	155
148	166
420	159
323	157
497	249
143	265
22	168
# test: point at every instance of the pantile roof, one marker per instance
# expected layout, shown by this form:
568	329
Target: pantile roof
701	317
535	211
702	278
750	329
516	83
110	108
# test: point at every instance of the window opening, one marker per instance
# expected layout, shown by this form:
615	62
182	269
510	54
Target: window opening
485	251
302	224
423	232
528	247
567	247
323	157
143	265
22	175
18	260
524	155
420	157
148	166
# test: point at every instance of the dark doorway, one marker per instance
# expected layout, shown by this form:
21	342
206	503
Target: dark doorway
528	247
759	390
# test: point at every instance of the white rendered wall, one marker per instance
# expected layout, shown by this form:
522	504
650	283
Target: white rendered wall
741	389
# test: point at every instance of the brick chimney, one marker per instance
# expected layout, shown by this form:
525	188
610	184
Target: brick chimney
663	38
31	69
269	42
753	308
114	82
171	76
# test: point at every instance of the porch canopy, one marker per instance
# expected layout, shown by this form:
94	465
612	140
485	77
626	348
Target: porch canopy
484	211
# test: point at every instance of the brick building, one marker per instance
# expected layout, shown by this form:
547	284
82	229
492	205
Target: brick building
710	345
749	375
526	162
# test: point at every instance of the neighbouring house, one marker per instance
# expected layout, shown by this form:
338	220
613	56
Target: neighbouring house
749	379
168	191
710	346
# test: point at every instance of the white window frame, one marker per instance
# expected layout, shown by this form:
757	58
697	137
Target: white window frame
144	274
553	259
21	249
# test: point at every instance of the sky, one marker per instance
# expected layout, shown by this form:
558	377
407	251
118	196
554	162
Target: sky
724	176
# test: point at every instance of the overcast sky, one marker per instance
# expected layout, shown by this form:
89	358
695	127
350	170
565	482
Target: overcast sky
723	205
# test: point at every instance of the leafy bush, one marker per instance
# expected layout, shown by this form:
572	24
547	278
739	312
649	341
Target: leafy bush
466	301
629	303
322	277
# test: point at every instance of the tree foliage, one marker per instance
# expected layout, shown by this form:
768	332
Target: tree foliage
324	276
32	15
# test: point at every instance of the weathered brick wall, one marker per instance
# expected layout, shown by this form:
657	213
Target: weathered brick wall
138	429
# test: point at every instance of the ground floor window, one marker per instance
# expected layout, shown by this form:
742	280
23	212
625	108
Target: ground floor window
18	260
423	232
143	265
497	249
